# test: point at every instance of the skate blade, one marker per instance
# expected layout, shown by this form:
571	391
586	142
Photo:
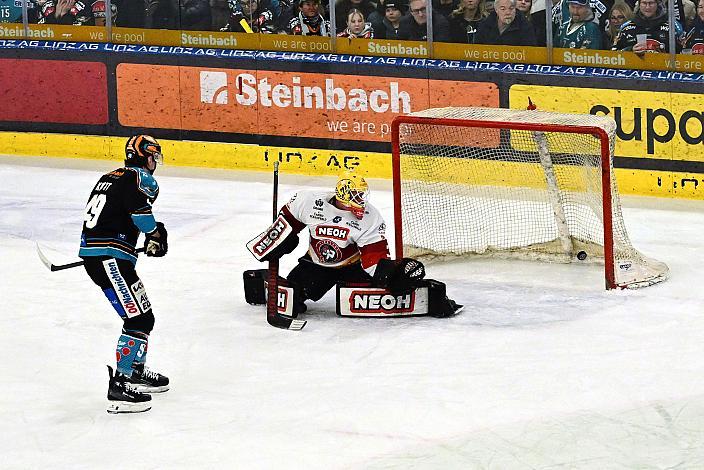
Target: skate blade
117	407
148	388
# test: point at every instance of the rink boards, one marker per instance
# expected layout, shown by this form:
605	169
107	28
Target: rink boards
321	113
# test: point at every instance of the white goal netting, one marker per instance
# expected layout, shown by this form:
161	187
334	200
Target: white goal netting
511	183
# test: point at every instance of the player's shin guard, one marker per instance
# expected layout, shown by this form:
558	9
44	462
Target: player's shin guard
130	349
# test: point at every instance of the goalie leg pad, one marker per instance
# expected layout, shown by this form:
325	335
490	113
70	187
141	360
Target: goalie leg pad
254	286
367	300
289	301
255	290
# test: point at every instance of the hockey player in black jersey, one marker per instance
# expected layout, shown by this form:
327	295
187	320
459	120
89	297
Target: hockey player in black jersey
118	209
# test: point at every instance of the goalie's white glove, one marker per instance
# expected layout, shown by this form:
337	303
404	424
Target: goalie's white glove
279	239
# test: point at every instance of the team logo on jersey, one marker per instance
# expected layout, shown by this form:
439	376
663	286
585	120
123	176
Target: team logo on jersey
327	252
336	219
373	301
319	203
331	231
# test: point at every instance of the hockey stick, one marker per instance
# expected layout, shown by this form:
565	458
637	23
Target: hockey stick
60	267
272	311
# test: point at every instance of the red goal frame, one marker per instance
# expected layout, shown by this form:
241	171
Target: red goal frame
597	132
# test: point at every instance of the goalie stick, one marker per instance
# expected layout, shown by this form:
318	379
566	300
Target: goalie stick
273	317
60	267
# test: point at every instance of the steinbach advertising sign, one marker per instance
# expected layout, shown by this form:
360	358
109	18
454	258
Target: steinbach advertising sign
353	107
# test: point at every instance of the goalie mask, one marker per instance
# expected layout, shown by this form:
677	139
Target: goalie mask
139	148
351	193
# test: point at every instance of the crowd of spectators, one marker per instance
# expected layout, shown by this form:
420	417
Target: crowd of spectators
640	26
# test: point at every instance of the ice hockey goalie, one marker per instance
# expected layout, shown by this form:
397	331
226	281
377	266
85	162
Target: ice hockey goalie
347	248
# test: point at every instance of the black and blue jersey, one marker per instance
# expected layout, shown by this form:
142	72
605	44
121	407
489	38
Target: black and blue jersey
118	209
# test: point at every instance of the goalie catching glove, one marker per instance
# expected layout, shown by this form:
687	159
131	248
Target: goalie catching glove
155	242
399	275
278	240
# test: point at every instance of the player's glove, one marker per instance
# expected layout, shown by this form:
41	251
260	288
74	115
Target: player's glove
155	243
398	275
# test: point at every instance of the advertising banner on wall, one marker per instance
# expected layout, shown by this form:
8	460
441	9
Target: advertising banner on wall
54	91
353	107
650	124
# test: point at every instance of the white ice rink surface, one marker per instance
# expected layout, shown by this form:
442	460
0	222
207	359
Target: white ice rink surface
543	370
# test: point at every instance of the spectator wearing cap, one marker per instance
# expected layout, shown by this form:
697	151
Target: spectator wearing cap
465	20
600	8
649	20
618	15
580	31
505	27
418	23
694	39
308	21
392	25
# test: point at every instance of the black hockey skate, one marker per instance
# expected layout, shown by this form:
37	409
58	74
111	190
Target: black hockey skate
122	398
144	380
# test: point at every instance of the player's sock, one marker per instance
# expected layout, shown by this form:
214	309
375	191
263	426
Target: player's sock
130	349
122	398
147	381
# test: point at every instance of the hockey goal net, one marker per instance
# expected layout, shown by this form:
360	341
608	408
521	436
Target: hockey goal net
512	183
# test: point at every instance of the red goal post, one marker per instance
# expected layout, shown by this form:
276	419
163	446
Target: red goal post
513	183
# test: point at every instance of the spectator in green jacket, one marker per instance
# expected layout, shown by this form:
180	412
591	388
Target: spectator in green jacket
580	31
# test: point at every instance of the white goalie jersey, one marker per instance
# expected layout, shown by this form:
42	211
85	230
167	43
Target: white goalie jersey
337	237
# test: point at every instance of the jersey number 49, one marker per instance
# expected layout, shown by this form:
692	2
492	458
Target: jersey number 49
93	209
